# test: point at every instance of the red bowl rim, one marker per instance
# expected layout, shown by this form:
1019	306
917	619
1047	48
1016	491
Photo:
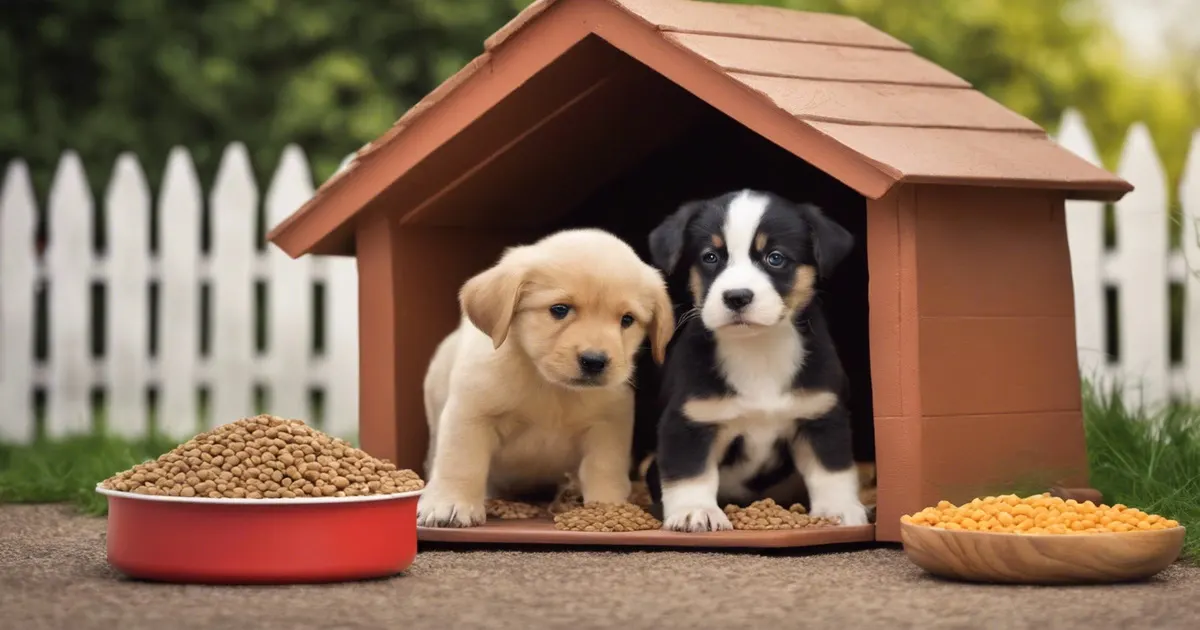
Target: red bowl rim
263	502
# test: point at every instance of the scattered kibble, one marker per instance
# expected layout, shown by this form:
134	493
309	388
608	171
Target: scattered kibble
1037	514
767	514
606	517
505	510
265	457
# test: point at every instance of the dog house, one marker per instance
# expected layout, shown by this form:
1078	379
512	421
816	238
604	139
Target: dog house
954	314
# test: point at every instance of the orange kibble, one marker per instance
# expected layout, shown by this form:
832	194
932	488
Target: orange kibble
1036	514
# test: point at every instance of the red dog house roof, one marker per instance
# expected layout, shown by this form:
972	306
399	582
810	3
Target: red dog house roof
845	97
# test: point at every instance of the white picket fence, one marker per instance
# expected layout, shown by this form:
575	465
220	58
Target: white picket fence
288	371
1141	267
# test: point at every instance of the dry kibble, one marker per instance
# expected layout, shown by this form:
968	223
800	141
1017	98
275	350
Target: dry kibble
606	517
248	459
767	514
1037	514
505	510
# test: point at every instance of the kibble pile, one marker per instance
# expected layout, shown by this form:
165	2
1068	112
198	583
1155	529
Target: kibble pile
606	517
1037	514
505	510
265	457
767	514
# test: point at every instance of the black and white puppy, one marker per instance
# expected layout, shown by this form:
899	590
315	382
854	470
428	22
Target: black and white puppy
752	386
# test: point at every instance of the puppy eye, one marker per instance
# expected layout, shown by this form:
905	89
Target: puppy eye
626	320
559	311
709	258
776	259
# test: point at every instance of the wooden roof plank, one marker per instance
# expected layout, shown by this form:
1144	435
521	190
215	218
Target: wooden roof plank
888	104
760	22
802	60
958	156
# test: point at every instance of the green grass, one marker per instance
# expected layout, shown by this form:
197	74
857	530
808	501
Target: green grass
68	470
1150	460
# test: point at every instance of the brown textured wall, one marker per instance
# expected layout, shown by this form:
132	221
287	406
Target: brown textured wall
988	394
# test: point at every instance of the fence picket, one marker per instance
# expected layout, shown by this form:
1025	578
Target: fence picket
179	210
1085	236
128	322
289	293
18	260
1142	254
342	347
1189	194
69	262
234	207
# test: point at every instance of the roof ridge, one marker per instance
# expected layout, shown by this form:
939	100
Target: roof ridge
861	123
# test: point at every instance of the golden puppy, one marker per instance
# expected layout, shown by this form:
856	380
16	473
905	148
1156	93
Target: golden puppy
536	380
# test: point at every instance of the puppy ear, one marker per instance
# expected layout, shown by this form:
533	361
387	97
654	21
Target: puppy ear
831	241
666	240
662	328
489	299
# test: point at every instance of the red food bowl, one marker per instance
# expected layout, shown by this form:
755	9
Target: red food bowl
260	541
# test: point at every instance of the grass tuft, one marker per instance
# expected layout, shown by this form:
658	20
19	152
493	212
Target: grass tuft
68	470
1146	459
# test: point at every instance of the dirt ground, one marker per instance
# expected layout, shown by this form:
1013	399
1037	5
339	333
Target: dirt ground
53	575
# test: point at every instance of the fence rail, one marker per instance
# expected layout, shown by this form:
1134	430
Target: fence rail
193	336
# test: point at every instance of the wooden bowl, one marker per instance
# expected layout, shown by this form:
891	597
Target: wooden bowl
1041	558
260	541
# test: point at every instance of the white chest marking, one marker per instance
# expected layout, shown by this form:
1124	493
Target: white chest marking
762	367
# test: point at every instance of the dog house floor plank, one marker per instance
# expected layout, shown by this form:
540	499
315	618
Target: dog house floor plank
542	532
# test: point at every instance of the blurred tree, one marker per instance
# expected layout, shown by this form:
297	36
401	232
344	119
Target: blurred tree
145	75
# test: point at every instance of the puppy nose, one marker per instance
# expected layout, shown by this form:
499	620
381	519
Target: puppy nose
737	299
592	363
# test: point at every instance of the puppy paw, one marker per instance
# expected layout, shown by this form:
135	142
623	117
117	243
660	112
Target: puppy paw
848	511
697	519
434	511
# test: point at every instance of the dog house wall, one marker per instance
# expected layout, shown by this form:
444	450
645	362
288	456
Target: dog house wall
973	358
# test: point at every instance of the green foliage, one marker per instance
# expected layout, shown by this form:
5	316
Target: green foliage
68	470
145	75
1147	460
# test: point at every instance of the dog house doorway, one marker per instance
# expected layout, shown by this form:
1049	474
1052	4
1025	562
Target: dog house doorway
621	157
717	155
